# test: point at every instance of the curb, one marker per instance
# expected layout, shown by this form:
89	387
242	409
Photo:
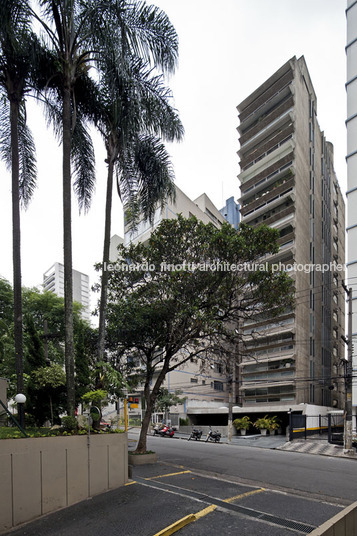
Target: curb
177	525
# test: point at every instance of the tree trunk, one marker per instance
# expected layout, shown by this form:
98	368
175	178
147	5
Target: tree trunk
67	252
106	248
150	402
16	251
141	447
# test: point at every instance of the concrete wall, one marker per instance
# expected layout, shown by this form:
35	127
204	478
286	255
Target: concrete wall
342	524
3	388
41	475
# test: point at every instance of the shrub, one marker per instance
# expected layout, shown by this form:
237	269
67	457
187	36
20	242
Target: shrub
69	423
184	422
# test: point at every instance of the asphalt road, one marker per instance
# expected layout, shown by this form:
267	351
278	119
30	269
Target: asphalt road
231	490
332	478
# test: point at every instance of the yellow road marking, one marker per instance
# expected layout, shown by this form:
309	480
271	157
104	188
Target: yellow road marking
205	511
130	483
168	474
171	529
176	526
242	495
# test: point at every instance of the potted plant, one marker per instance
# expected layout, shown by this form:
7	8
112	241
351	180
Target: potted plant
274	424
242	424
262	424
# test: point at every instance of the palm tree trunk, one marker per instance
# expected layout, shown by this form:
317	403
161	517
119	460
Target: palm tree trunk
16	241
106	248
67	252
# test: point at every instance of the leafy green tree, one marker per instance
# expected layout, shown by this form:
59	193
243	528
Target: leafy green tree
46	392
44	328
165	400
85	348
7	354
172	302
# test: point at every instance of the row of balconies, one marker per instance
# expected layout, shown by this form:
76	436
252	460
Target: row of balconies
275	193
267	146
276	91
267	118
276	201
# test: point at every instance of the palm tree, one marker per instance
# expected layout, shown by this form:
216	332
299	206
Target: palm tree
80	34
135	109
17	51
67	26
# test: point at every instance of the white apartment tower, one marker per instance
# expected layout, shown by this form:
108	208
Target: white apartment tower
53	281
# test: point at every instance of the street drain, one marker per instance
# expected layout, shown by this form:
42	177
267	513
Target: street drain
286	523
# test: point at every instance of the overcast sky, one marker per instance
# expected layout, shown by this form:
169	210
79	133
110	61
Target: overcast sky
227	49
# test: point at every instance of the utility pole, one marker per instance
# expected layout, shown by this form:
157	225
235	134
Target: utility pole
348	374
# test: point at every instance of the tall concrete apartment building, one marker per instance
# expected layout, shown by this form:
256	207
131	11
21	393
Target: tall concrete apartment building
288	182
53	281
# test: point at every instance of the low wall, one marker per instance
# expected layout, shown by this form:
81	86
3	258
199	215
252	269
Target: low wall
41	475
342	524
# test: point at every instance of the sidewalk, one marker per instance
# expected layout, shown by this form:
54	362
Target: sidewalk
317	446
309	446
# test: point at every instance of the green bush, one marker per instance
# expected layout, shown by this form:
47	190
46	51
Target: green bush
185	422
69	423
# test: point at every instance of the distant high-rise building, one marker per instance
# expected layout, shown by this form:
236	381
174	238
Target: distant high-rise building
53	281
115	241
288	182
231	212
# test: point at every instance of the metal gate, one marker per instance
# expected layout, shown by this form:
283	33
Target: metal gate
335	429
329	427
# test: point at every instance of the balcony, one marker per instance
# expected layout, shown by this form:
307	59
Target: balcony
268	196
267	162
269	119
274	91
273	203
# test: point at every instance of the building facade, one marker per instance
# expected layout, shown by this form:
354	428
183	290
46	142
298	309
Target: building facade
231	212
288	182
53	281
351	159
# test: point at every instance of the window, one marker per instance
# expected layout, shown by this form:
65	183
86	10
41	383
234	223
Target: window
194	380
218	368
218	386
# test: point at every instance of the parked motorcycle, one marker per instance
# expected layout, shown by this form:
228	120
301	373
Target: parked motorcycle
195	434
213	436
164	430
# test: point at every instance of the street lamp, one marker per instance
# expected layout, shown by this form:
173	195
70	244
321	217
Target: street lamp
20	400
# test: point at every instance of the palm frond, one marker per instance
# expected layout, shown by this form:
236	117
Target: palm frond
134	27
83	161
5	134
27	151
146	180
27	156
